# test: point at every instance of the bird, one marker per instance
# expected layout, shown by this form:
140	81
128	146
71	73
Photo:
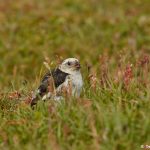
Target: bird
65	77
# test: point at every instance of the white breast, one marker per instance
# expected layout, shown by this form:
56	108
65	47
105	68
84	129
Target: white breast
77	84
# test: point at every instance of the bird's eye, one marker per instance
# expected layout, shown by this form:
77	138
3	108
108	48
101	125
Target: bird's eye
69	63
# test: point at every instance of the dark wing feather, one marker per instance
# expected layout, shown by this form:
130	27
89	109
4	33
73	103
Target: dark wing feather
58	76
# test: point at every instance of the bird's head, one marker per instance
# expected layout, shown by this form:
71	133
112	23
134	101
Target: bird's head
70	65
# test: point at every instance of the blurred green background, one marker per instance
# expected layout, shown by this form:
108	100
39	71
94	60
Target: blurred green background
33	29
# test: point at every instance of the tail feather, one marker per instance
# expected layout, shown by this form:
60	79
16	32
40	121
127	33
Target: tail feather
39	95
35	98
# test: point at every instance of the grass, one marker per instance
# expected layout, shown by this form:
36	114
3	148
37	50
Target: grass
111	39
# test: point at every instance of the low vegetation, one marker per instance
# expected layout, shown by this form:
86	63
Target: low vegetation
111	39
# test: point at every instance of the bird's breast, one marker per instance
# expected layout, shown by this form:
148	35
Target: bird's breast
77	84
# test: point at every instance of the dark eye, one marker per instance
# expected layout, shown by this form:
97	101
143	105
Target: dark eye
69	63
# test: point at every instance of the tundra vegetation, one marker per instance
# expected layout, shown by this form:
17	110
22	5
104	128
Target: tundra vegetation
112	40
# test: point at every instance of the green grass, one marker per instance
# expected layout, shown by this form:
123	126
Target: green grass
107	36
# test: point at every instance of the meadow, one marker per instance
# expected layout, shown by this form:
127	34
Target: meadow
111	38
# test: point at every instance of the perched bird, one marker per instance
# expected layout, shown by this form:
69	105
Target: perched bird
66	77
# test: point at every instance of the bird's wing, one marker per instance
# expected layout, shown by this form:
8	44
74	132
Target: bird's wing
50	81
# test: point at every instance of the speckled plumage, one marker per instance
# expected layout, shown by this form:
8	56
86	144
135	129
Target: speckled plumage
66	73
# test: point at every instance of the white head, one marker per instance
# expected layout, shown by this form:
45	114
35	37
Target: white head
70	65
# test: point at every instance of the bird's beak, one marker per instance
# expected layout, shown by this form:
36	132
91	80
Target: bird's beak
77	65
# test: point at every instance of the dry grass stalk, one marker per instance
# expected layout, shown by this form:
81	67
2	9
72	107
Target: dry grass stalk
86	103
143	61
53	140
93	81
59	59
103	63
14	95
128	75
67	91
51	85
95	135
